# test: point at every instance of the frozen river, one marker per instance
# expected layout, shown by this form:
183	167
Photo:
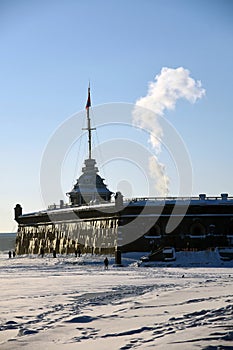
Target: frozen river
73	303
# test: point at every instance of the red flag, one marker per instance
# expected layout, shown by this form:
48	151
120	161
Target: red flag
88	99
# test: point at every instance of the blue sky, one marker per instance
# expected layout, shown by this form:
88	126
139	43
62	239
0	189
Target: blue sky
50	49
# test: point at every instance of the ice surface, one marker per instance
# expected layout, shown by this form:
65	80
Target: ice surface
73	303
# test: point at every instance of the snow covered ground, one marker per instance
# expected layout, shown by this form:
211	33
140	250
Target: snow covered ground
73	303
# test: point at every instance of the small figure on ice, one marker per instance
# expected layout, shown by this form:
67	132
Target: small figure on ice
42	252
77	252
106	263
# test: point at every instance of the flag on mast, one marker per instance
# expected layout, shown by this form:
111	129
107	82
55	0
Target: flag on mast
88	99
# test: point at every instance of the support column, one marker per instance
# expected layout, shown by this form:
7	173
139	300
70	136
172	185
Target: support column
118	256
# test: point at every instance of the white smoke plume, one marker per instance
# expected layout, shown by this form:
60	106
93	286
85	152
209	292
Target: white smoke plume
163	93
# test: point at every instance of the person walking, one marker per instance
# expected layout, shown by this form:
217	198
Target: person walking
106	262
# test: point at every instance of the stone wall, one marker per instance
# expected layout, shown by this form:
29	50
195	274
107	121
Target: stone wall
96	236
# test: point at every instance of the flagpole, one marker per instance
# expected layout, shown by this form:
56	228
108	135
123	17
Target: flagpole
88	105
89	123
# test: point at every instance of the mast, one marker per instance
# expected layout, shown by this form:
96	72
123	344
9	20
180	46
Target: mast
89	129
89	186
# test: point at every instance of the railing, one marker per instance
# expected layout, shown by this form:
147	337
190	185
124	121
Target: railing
58	206
145	199
68	205
197	198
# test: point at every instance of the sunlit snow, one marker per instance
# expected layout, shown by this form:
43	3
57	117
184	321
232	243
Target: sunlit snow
74	303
